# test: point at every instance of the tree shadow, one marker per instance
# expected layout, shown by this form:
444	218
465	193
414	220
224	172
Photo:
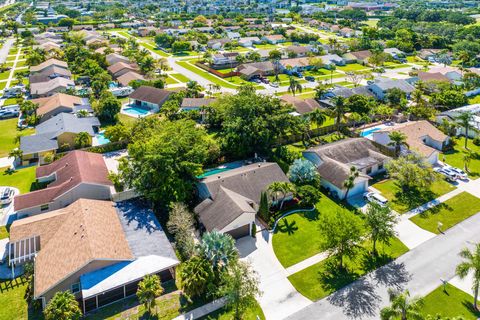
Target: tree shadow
288	228
333	278
434	210
392	275
469	307
311	215
413	198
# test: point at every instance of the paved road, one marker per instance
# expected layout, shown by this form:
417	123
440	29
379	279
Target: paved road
419	271
5	49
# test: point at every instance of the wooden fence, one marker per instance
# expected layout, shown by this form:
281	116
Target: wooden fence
215	72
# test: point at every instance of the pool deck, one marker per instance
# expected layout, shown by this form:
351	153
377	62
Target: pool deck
134	115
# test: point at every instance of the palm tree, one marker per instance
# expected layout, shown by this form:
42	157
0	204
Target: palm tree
339	110
467	157
349	183
332	43
82	139
332	68
397	140
193	89
318	117
195	274
464	119
16	153
62	306
402	307
148	289
471	264
82	113
294	86
274	189
320	90
219	249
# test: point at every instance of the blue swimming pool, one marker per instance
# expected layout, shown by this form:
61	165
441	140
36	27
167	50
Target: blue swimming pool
135	111
368	132
101	139
223	168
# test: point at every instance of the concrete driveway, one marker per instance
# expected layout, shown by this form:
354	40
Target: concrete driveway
279	299
7	210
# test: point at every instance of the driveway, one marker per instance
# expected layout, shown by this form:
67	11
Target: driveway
279	299
420	270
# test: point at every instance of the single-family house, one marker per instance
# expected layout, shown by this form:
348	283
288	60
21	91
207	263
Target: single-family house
47	64
217	44
451	115
298	51
248	42
428	77
120	68
396	54
98	250
49	107
332	59
50	87
233	35
230	199
274	39
255	69
225	58
125	79
302	106
195	103
452	73
113	58
422	137
357	56
49	73
149	98
335	160
381	86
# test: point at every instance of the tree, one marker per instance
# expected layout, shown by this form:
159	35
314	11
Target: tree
471	263
380	222
280	188
263	207
82	140
294	86
396	98
239	287
402	307
193	89
355	77
412	172
181	225
62	306
16	153
148	289
349	183
118	132
318	117
66	22
341	231
28	107
339	110
219	249
108	107
309	195
320	90
303	172
464	119
195	275
274	57
397	140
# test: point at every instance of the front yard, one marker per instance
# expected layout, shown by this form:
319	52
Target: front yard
8	134
22	179
455	157
353	67
452	302
226	314
324	278
448	213
406	201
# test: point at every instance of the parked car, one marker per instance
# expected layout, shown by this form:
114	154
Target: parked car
447	173
6	195
297	74
375	197
274	84
9	112
310	78
460	173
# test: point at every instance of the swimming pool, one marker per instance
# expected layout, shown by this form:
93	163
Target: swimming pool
368	132
134	111
223	168
101	139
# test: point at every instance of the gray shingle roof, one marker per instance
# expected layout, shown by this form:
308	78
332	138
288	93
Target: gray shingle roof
37	143
66	122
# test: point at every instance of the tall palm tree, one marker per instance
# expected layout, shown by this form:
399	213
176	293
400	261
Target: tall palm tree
349	183
332	67
467	157
193	89
274	189
148	289
62	306
339	110
471	263
318	117
294	86
402	307
397	140
464	119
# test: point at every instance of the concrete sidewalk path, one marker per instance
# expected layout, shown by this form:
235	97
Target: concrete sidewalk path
202	311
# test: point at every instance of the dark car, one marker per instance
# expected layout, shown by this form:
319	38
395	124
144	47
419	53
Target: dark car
310	78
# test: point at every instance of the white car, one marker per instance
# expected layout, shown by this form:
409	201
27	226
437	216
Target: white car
6	195
274	84
375	197
449	174
460	173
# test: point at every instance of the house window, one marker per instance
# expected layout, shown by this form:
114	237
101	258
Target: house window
369	170
380	166
75	287
44	207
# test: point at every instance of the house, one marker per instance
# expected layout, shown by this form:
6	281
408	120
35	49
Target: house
57	132
335	160
77	175
195	103
49	73
452	73
149	98
434	55
302	106
233	35
396	54
128	77
51	106
47	64
422	137
357	56
225	58
428	77
274	39
217	44
298	51
120	68
381	86
248	42
332	59
48	46
347	32
452	114
113	58
340	91
50	87
255	69
98	250
230	199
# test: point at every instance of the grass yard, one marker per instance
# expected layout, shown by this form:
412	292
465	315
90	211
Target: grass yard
353	67
452	302
455	157
23	179
4	232
10	101
474	99
170	80
14	306
324	278
153	48
297	237
449	213
3	85
8	134
266	46
403	202
4	75
180	77
226	314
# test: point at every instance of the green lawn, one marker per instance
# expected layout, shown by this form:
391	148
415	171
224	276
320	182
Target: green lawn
13	305
455	157
3	84
10	101
226	314
23	179
3	232
153	48
297	236
403	202
4	75
170	80
180	77
7	135
353	67
452	302
449	213
324	278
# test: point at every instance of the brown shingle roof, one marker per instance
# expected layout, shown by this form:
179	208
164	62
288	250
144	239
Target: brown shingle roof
150	94
116	67
128	77
361	55
302	106
47	64
74	168
432	76
196	102
48	104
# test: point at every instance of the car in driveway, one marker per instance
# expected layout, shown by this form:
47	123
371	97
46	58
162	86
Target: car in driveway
310	78
6	195
375	197
447	173
274	84
460	173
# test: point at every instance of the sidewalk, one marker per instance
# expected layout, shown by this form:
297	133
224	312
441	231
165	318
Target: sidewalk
202	311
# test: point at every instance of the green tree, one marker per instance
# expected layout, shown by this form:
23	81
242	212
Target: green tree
239	287
341	231
279	190
193	89
118	132
464	120
471	263
380	222
294	86
397	140
349	183
339	110
303	172
309	195
82	140
181	225
402	307
412	172
62	306
108	107
263	207
219	249
148	289
195	276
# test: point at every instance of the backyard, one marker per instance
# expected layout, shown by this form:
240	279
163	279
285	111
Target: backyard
455	157
406	201
452	302
324	278
448	213
14	306
8	134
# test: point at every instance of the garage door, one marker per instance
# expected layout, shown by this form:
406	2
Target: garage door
240	232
